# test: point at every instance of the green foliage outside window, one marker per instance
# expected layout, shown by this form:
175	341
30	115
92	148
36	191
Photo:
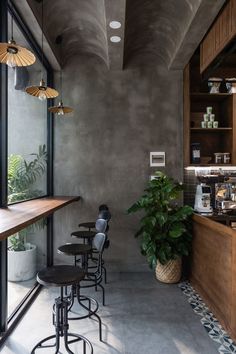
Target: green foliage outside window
23	176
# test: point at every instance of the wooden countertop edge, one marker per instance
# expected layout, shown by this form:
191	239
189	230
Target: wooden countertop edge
28	212
214	225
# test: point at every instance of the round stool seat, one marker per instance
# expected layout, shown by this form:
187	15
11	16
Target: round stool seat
83	234
60	275
88	225
74	249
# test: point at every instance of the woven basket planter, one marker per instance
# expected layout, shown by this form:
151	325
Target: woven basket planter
170	272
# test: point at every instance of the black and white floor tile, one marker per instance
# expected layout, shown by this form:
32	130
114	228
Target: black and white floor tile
208	320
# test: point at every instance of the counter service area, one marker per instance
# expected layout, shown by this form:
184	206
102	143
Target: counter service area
210	166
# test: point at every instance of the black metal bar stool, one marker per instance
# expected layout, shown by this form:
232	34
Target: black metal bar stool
94	278
78	250
101	225
62	276
91	224
93	273
89	234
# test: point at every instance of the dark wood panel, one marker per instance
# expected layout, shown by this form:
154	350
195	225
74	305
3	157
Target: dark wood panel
233	159
16	217
219	36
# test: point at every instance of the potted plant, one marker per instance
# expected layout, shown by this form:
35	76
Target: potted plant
22	179
165	228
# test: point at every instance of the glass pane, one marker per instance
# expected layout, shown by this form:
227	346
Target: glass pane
26	256
27	131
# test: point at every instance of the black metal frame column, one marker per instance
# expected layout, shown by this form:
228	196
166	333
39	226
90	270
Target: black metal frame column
50	178
3	109
3	168
5	6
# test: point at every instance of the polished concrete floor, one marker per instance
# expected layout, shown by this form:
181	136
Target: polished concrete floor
142	316
17	291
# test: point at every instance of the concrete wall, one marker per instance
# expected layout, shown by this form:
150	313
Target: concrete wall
102	150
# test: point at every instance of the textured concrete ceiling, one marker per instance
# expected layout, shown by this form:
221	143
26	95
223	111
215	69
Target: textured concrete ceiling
154	28
151	31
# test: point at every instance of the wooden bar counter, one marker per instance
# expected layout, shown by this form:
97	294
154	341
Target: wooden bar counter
16	217
213	268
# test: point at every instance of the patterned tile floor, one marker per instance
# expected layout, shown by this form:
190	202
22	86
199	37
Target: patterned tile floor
208	320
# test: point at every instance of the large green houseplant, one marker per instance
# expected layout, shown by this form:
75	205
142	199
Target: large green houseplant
23	177
165	227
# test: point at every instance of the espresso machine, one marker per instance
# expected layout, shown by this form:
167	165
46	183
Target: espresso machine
225	195
203	199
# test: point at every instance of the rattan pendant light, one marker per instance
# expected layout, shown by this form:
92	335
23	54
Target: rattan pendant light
60	109
15	55
42	91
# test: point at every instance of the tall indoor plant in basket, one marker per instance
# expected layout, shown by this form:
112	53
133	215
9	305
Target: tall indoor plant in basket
23	176
165	227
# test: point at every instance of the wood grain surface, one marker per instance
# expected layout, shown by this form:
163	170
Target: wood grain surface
16	217
213	268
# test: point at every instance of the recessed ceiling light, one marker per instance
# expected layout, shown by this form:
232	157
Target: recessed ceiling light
115	39
115	24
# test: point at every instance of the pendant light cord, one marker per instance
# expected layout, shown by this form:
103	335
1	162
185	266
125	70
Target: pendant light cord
61	70
11	27
61	84
42	41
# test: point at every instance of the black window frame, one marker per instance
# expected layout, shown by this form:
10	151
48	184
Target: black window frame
8	324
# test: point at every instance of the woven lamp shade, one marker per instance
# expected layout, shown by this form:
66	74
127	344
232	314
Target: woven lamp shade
14	55
60	109
37	91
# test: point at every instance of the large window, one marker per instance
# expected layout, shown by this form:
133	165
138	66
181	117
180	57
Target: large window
27	254
27	130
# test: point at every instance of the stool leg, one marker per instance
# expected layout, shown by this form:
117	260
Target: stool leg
105	273
57	328
60	322
65	325
91	313
103	294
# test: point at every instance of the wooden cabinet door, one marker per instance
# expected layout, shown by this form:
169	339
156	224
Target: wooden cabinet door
233	159
222	29
207	50
232	29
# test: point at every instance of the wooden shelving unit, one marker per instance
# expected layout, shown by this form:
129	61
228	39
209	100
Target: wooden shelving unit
211	130
203	96
196	99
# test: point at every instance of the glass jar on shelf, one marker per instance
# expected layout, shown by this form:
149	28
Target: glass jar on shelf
218	157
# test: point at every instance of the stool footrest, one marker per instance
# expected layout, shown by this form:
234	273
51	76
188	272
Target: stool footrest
77	338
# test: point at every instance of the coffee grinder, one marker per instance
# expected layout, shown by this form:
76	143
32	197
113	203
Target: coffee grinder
203	199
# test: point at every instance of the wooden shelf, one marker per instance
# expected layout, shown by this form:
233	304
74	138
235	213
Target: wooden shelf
196	100
201	96
18	216
212	164
209	130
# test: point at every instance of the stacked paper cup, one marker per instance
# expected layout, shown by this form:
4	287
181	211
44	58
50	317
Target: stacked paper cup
209	119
